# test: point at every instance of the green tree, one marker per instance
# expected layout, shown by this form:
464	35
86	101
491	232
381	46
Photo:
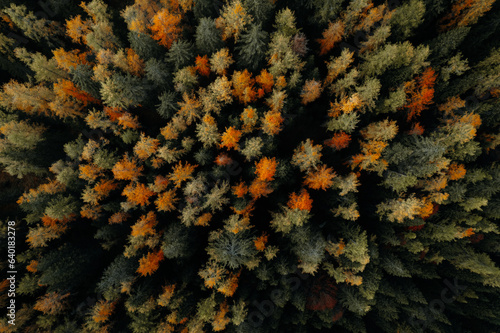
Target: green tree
407	18
252	48
208	37
180	54
122	91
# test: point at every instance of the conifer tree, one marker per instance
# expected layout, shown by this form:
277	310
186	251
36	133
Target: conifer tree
252	47
208	37
251	165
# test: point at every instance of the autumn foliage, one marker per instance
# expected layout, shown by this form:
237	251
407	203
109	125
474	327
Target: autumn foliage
145	225
52	303
311	91
339	141
421	93
232	20
138	194
181	173
465	12
203	65
320	179
149	264
127	169
272	122
165	28
300	201
260	242
230	138
265	168
456	171
243	86
198	134
265	81
331	36
102	311
166	201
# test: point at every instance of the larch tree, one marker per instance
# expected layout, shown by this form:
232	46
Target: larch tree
251	47
331	36
165	27
232	20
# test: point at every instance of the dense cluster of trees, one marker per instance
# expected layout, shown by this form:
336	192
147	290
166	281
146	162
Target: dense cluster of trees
252	165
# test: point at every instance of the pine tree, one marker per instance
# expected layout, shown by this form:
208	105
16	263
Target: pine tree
252	47
32	27
180	54
101	36
168	104
150	263
208	38
232	20
233	250
122	91
45	69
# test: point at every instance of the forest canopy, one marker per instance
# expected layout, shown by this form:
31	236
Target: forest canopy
251	165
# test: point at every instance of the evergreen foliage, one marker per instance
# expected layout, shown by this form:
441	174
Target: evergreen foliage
251	165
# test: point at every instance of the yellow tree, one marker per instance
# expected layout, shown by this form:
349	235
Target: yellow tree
301	201
127	169
265	81
397	210
135	63
27	98
465	12
339	65
271	123
221	60
220	320
102	310
146	147
249	118
202	65
189	108
69	59
77	29
232	20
